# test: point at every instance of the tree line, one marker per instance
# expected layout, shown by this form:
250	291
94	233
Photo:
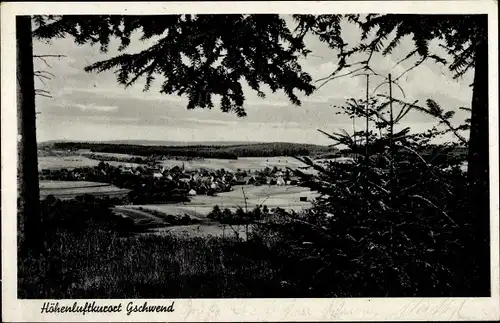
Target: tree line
221	152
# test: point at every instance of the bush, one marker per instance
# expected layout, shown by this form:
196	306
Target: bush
79	214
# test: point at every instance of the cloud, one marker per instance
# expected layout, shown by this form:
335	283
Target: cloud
104	109
90	107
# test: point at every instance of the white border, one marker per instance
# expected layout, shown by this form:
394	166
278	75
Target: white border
374	309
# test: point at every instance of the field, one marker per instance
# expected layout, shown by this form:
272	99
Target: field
285	197
68	190
243	163
56	162
69	162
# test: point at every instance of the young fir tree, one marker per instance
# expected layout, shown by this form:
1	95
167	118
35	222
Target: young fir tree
464	38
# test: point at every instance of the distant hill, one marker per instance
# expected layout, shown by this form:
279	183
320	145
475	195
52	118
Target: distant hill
179	143
226	150
166	143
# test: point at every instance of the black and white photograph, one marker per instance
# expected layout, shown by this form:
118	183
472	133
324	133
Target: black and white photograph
174	155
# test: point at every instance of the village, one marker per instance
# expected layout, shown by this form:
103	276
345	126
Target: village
210	182
155	178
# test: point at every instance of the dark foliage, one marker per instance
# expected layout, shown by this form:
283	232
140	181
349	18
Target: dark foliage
79	214
220	51
90	254
464	38
237	217
134	160
382	33
393	224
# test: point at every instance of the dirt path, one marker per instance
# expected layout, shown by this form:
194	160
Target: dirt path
206	227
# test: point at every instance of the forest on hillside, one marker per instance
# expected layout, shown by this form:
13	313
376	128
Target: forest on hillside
204	151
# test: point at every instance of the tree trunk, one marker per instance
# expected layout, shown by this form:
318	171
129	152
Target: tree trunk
28	186
478	163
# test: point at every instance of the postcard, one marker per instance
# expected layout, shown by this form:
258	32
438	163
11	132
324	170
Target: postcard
250	161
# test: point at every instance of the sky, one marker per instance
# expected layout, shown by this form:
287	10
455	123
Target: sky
94	107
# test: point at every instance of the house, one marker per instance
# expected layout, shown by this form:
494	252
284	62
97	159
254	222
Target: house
192	192
250	180
202	189
344	160
157	175
241	181
280	181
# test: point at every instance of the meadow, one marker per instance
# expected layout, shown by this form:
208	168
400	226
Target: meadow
284	197
57	162
74	161
71	189
243	163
